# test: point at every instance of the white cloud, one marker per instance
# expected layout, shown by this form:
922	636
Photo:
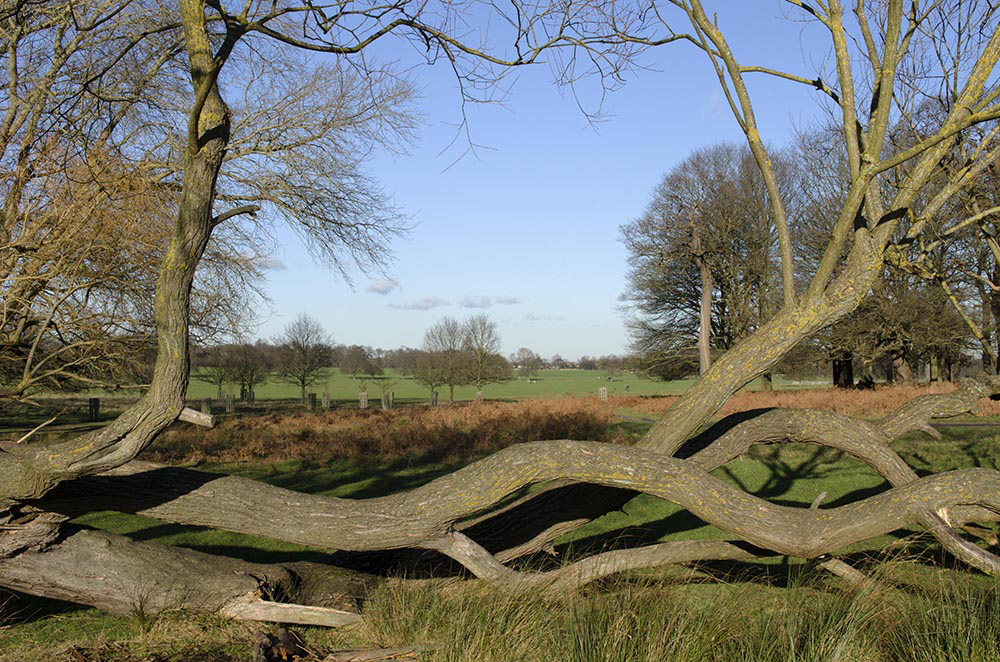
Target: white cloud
531	317
271	263
476	302
425	303
506	301
384	286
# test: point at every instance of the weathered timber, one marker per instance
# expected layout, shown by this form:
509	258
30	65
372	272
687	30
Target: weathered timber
196	417
252	608
125	576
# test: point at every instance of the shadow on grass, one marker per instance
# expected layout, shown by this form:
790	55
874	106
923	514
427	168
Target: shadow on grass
18	608
362	481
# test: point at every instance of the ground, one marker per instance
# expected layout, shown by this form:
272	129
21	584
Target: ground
781	609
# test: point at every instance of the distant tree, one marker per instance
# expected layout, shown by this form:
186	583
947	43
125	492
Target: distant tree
916	313
896	329
587	363
215	367
702	263
302	353
527	362
358	361
444	342
251	364
481	341
557	362
403	360
429	370
611	365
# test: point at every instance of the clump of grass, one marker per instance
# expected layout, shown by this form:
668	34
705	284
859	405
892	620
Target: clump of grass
934	615
437	434
913	612
945	617
91	635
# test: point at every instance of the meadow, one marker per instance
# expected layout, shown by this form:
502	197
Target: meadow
922	608
545	384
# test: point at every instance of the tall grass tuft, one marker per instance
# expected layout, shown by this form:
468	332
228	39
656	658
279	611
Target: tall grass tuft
946	619
933	615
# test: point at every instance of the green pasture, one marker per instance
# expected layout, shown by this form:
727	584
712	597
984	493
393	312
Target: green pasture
546	384
71	408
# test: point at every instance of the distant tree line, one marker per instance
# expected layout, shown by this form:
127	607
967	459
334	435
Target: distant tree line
454	353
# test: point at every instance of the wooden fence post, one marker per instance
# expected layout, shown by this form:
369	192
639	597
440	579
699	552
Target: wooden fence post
206	406
326	399
94	410
230	403
603	393
312	401
363	399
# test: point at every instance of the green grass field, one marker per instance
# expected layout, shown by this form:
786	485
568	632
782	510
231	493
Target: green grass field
547	383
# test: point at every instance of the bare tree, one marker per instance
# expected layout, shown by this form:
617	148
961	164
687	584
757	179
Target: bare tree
430	370
528	363
215	366
251	365
702	260
481	341
303	353
87	213
357	360
444	343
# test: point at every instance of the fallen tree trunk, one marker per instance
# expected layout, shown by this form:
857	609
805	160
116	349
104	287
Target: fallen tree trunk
124	576
42	555
531	523
425	516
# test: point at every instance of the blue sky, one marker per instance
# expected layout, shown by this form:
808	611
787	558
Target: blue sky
526	229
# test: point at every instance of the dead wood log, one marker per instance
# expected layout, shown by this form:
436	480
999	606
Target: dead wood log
124	576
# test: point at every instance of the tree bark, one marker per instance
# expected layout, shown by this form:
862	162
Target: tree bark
425	516
124	576
704	316
843	372
902	367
